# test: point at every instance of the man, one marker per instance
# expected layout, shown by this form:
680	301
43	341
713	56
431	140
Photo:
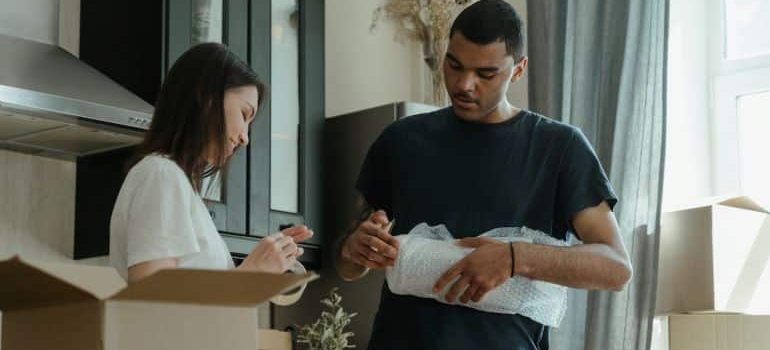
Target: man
481	164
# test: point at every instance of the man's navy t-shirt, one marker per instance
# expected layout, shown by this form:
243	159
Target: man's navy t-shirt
436	168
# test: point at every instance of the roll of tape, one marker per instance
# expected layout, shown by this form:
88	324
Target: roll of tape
293	295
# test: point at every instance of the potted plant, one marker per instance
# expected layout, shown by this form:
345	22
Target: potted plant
328	331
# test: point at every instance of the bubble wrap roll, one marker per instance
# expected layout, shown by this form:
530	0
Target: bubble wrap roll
429	251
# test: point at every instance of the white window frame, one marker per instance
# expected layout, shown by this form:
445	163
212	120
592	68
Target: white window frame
730	79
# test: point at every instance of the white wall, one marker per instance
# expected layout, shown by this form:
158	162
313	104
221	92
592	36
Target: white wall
31	19
369	68
688	140
363	68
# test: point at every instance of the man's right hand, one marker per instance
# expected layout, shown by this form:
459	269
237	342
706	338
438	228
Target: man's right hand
371	245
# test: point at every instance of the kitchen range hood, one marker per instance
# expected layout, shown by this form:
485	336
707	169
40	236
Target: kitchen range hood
52	104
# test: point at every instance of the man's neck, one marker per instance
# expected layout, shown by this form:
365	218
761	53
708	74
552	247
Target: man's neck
502	113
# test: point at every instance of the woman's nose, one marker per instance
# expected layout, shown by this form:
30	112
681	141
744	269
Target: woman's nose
244	137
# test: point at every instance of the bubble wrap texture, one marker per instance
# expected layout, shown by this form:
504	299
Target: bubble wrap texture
429	251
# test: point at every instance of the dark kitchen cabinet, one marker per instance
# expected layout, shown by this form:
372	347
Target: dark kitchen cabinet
136	42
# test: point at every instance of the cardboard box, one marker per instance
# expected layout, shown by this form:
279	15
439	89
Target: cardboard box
718	332
57	306
715	257
270	339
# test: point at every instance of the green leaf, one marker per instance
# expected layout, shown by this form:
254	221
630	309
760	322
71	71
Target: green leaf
328	331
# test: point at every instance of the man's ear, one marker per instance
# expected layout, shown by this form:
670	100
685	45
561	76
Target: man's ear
519	68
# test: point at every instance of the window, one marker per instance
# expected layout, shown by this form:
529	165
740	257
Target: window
284	135
753	117
741	75
718	101
746	28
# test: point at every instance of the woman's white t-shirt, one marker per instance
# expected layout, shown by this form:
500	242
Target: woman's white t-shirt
159	215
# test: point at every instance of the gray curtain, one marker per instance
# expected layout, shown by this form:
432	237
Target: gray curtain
600	65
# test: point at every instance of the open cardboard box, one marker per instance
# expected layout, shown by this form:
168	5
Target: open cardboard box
60	306
715	257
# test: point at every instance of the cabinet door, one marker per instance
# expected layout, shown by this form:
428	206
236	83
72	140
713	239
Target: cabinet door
190	22
287	50
285	45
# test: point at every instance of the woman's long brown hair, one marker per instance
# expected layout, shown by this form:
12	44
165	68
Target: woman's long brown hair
189	123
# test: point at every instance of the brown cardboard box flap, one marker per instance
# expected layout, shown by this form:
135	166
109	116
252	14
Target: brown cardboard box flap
100	281
27	285
744	203
212	287
740	202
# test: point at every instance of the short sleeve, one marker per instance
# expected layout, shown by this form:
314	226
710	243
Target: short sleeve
582	181
374	179
159	221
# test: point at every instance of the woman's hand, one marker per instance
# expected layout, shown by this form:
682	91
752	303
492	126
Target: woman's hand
298	233
277	252
274	254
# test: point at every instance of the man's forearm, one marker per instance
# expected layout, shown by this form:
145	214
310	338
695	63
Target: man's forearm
587	266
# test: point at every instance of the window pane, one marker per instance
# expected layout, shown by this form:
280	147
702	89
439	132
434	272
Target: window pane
747	28
284	100
211	188
754	128
206	21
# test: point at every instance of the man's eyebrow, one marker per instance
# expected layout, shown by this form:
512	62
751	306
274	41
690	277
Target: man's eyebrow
488	69
453	58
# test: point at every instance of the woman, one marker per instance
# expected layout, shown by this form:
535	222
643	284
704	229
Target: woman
203	113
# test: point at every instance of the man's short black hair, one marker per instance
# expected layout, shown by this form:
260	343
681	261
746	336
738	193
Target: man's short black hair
488	21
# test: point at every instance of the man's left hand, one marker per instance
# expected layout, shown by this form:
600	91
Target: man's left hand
484	269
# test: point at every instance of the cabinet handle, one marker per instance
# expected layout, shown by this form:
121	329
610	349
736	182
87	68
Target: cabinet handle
285	226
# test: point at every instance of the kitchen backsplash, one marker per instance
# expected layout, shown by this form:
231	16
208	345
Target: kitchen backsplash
37	210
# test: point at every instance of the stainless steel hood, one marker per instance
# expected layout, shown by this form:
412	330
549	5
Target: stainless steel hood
53	104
